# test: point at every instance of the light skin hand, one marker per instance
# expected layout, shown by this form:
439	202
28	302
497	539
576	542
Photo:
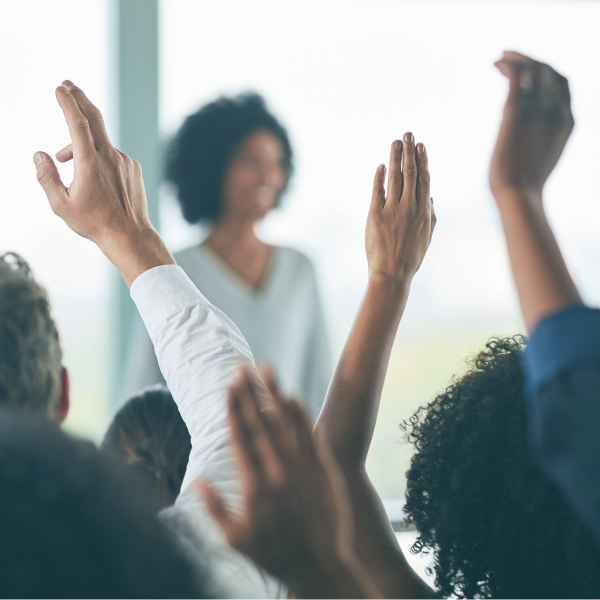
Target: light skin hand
535	127
106	201
296	521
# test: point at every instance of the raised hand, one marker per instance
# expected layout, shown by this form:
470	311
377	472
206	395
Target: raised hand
536	125
400	225
106	201
296	521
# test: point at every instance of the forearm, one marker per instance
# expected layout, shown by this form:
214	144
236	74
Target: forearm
348	418
200	352
333	577
543	282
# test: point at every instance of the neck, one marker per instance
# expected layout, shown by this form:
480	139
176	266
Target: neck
231	233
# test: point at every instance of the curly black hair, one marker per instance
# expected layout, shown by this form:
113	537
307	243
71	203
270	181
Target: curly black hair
198	156
497	526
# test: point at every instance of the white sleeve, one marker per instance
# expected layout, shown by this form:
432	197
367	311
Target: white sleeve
200	352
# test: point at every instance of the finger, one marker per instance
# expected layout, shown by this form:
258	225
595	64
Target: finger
278	421
65	155
513	56
79	127
549	90
378	197
257	433
92	114
395	179
433	219
409	169
49	178
423	179
302	428
215	506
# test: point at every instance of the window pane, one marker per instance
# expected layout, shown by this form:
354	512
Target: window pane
41	44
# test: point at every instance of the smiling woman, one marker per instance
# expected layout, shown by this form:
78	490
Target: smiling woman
230	163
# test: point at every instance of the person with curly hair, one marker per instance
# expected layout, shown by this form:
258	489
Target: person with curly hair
230	164
496	524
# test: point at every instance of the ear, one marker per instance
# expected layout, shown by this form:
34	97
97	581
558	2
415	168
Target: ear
62	410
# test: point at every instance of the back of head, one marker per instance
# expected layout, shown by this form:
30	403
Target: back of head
30	353
199	154
149	434
73	526
498	527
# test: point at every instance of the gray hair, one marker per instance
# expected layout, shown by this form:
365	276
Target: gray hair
30	352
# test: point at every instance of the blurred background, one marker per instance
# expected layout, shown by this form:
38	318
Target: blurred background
346	78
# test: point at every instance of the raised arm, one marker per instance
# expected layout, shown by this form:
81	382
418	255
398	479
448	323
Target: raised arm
296	519
198	348
536	125
562	360
399	230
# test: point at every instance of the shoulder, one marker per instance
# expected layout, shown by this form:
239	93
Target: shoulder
294	259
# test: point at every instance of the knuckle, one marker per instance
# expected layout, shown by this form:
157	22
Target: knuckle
44	176
424	177
410	172
81	123
396	178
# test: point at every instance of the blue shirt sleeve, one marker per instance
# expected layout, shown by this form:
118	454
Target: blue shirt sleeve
562	371
569	338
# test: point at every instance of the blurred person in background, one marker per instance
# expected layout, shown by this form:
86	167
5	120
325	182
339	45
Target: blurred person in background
148	434
230	163
74	525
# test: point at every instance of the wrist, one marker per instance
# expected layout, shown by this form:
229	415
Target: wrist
512	194
134	252
397	283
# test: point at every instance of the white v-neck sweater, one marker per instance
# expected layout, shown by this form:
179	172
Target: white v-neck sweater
282	321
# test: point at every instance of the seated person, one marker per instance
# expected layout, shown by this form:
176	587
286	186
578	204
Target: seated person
562	362
74	526
32	378
148	433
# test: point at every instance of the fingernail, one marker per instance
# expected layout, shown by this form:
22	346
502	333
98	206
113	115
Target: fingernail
421	148
68	82
38	157
408	138
398	145
382	166
63	89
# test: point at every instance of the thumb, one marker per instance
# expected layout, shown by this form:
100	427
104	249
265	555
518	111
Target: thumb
49	179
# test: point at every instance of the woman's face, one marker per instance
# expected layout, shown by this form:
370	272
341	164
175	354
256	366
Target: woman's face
255	177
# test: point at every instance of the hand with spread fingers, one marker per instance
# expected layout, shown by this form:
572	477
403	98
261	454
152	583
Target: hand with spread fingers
106	201
296	521
536	125
400	225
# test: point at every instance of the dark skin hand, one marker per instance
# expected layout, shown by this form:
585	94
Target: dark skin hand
399	230
296	521
536	125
